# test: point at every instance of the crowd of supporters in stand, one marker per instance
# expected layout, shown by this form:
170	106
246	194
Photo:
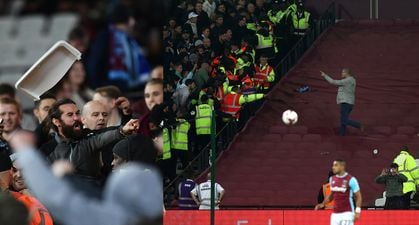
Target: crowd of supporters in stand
218	57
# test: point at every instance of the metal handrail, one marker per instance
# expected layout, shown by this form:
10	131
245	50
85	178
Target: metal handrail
198	157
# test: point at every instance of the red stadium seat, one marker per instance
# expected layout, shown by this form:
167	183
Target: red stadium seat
384	130
298	130
312	138
291	138
399	137
272	137
278	130
408	130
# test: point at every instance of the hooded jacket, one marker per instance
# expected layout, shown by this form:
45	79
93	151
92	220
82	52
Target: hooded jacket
131	195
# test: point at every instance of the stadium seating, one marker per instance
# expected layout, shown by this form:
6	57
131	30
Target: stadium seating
294	161
24	39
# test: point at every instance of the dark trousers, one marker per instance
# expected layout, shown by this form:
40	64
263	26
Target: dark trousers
345	110
406	200
168	167
183	156
395	202
202	141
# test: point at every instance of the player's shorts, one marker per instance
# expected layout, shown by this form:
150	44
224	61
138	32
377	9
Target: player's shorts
345	218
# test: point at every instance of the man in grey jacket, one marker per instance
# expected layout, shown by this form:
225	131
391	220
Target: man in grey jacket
346	99
83	152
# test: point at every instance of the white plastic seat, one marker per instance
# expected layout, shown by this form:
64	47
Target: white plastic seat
61	25
30	26
380	202
9	57
33	49
6	25
10	78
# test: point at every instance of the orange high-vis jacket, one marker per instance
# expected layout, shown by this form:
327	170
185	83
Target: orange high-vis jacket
39	215
327	192
262	75
231	104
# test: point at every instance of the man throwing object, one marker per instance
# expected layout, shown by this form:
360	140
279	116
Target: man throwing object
346	99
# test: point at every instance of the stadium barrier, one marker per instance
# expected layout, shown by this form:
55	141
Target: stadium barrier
229	129
286	217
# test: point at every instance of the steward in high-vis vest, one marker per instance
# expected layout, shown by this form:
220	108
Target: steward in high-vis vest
233	102
203	122
266	42
326	191
279	12
185	201
279	16
300	20
409	168
264	74
180	141
203	115
39	215
166	145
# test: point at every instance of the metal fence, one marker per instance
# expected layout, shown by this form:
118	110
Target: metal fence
229	129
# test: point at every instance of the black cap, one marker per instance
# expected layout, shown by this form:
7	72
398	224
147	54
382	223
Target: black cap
5	161
136	148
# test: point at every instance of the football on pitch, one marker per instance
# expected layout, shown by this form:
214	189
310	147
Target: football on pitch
289	117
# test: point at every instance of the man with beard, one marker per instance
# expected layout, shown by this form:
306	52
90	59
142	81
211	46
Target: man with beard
82	151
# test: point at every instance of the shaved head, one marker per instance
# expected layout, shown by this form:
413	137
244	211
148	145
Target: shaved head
346	72
95	115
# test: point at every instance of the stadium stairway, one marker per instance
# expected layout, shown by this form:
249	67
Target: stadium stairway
269	164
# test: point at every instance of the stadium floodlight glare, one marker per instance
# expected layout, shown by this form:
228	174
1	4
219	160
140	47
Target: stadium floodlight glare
48	70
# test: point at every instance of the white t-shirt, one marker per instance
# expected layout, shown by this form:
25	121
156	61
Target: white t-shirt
203	191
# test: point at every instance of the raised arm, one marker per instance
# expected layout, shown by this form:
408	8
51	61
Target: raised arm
60	198
382	178
335	82
98	141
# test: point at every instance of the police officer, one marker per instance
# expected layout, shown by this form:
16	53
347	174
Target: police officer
300	20
266	43
201	194
279	16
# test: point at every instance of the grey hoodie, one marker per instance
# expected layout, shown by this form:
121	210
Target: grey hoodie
132	194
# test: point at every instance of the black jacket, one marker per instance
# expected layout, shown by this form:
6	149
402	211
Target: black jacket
84	154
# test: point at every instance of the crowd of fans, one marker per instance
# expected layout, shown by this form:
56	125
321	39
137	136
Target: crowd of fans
218	57
73	153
